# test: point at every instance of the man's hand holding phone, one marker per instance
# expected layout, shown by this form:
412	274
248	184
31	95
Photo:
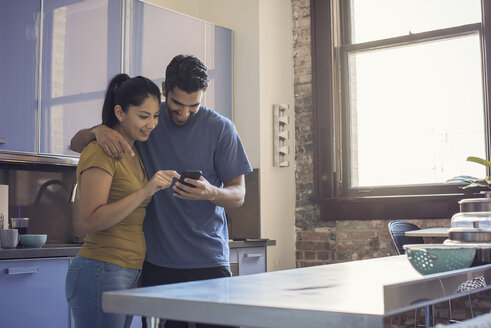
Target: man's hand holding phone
192	186
189	174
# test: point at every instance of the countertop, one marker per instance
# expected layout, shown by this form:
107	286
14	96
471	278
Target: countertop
71	250
355	294
429	232
48	250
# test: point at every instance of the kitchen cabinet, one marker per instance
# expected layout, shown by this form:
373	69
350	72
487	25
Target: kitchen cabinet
78	60
29	276
57	55
18	39
55	67
33	293
152	47
247	260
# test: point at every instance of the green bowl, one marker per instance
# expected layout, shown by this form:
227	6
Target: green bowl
434	258
32	241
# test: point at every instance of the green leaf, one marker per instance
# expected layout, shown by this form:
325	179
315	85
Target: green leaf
479	161
478	183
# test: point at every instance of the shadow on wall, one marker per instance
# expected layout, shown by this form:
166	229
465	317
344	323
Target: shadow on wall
41	193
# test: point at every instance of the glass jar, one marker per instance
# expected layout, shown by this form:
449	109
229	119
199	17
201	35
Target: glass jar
474	213
471	220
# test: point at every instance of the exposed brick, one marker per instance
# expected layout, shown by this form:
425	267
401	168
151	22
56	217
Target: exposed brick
361	235
374	243
325	255
303	264
323	245
315	235
310	255
343	256
377	224
341	235
383	234
346	245
346	225
306	245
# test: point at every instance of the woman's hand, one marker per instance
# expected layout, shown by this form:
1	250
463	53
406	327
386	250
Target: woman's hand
161	179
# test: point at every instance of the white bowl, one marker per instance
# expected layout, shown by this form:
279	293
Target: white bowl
32	241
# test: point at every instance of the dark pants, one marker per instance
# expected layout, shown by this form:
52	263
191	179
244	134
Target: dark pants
153	275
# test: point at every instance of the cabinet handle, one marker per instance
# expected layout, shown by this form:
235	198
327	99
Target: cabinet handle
3	140
23	270
253	255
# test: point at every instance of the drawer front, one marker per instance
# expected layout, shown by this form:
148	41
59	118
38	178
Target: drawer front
252	260
234	255
33	293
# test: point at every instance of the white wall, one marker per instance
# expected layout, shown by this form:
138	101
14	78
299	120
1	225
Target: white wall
263	76
276	87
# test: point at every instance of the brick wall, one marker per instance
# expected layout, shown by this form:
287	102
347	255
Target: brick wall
320	242
349	241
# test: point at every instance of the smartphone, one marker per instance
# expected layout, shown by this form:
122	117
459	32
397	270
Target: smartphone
192	174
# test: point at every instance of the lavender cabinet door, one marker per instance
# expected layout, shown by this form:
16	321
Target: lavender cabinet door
81	52
33	293
19	36
152	47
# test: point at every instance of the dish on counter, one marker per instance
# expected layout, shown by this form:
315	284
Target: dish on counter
32	240
435	258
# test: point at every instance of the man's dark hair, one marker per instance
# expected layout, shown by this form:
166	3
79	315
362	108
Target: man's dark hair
187	73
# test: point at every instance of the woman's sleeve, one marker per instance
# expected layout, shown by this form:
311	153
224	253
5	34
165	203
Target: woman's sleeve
94	156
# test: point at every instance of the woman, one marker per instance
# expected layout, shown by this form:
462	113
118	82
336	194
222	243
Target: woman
113	195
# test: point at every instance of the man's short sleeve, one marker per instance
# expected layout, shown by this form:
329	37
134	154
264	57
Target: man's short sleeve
230	158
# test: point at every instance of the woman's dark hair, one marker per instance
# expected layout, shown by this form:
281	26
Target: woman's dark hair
126	91
187	73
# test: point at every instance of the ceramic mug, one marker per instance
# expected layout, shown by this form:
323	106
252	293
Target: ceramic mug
9	238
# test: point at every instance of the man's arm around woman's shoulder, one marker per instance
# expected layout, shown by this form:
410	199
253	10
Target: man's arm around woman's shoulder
109	139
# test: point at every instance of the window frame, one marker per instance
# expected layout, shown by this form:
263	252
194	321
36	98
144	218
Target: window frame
331	190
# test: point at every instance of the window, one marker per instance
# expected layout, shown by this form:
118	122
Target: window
400	98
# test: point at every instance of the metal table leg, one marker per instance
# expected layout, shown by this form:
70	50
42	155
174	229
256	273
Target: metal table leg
429	320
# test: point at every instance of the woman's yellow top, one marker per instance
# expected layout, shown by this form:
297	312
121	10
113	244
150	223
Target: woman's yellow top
123	243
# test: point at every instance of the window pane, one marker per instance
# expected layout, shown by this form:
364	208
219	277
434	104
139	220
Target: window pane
382	19
416	113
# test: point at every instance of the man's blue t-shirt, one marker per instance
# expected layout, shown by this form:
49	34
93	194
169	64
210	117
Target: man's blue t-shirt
186	234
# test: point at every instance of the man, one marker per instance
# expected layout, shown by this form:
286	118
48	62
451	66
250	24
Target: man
185	228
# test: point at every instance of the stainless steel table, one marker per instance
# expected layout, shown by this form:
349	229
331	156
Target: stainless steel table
429	232
350	294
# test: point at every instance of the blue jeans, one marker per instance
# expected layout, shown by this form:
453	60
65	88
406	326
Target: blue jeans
86	280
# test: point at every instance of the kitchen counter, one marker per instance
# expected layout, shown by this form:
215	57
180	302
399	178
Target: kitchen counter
58	250
71	250
252	242
350	294
429	232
